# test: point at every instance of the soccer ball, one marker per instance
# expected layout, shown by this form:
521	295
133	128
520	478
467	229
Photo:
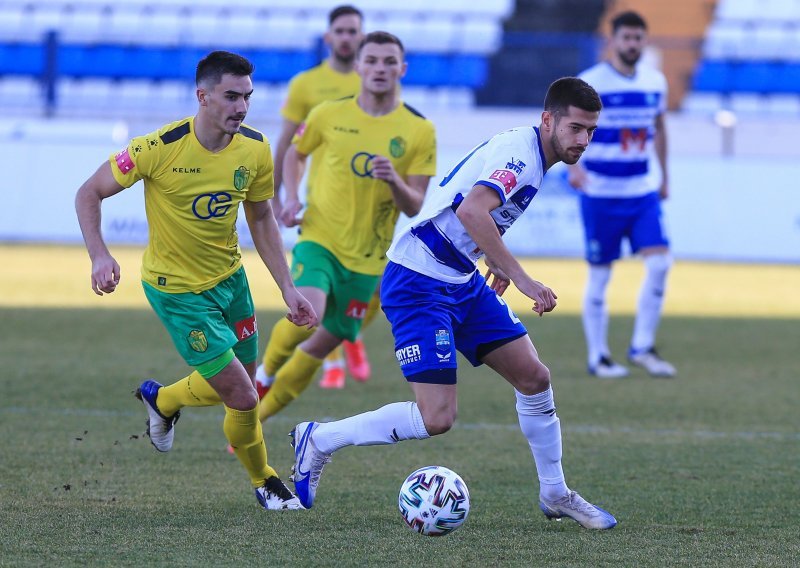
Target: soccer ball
434	501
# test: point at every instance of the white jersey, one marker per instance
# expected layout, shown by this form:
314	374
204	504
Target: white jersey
617	160
436	244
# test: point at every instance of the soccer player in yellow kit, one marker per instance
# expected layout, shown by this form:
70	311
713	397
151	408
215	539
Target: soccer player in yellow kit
196	172
377	156
332	79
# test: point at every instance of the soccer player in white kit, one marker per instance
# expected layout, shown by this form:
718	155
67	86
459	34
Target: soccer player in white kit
438	302
621	200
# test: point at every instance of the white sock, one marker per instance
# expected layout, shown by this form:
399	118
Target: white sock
387	425
595	313
651	300
540	425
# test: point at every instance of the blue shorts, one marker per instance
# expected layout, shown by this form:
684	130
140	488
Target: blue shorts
607	220
432	319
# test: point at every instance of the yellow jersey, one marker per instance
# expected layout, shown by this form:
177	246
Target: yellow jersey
317	85
192	199
349	212
312	87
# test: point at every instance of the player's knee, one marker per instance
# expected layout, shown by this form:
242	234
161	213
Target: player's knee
658	265
439	422
537	379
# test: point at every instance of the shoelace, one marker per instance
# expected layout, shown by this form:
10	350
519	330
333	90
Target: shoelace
580	504
278	489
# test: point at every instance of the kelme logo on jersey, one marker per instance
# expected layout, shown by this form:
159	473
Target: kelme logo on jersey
397	147
361	164
240	178
197	340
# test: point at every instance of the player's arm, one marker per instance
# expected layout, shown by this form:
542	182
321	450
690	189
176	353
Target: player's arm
267	240
288	128
294	166
101	184
660	144
408	194
474	214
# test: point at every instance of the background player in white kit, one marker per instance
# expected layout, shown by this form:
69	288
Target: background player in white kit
620	198
438	302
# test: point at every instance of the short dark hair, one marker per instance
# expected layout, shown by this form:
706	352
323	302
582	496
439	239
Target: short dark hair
343	10
381	38
571	91
629	19
213	66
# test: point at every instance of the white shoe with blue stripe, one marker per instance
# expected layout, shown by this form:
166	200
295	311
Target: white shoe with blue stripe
580	510
308	463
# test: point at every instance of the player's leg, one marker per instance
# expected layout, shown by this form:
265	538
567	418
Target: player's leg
345	310
297	373
648	239
426	355
519	364
310	273
206	328
355	351
604	229
333	370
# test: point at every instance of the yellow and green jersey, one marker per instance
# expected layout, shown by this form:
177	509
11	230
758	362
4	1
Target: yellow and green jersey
192	199
312	87
351	213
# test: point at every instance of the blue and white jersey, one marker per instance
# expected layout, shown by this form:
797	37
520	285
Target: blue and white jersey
436	244
617	160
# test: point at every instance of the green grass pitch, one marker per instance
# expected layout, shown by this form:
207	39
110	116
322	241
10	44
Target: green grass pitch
700	471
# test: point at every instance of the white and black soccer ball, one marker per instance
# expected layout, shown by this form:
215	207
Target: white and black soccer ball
434	501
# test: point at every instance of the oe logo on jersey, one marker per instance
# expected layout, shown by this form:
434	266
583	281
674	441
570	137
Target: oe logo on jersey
211	205
361	164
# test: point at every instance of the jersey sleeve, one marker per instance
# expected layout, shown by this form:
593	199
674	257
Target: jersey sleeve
504	170
136	160
295	108
309	134
263	186
424	161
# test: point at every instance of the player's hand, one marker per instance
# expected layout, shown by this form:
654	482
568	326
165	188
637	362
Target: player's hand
105	274
500	279
382	168
289	215
576	176
544	299
301	312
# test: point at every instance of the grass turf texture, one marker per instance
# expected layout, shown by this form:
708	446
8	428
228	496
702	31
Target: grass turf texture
701	470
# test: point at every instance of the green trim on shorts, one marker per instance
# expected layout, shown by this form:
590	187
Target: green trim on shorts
348	293
213	368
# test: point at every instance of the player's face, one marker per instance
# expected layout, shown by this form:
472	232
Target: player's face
227	102
572	132
380	66
628	43
343	37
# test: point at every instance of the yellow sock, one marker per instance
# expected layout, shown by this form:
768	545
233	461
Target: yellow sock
335	356
284	338
291	380
372	310
243	431
193	390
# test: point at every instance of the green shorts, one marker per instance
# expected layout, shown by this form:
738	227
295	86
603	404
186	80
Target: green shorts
348	292
205	326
